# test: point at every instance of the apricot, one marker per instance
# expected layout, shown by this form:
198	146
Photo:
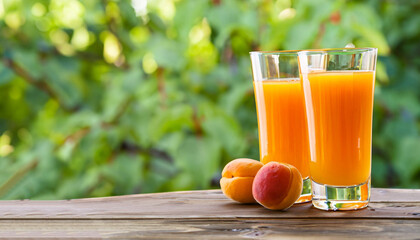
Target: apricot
277	186
237	178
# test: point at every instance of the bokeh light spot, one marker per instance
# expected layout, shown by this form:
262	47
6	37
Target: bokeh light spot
69	13
112	48
287	13
1	9
139	34
166	9
140	7
59	36
80	39
14	20
200	32
149	63
5	147
38	9
61	41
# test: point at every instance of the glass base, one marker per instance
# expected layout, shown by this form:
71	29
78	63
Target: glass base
306	194
335	198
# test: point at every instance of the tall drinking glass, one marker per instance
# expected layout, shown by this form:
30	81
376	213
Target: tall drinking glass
338	86
283	133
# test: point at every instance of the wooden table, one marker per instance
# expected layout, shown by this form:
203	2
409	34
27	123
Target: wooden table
393	213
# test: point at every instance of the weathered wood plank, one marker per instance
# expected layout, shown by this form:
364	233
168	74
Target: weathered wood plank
386	204
212	229
395	195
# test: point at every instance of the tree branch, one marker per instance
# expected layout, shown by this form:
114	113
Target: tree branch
40	84
319	36
161	86
17	176
122	109
132	148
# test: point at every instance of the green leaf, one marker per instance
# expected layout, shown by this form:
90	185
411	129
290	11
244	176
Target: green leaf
160	176
167	53
174	119
6	75
336	36
372	38
188	13
199	158
408	165
100	128
29	61
226	131
301	35
156	22
60	76
125	172
235	97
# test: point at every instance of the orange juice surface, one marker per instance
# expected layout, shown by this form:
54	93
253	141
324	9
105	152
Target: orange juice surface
340	111
283	131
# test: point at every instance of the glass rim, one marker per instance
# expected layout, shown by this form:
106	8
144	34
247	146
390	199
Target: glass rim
333	51
313	51
276	52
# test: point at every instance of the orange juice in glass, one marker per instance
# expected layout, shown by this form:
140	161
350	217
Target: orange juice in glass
338	86
282	125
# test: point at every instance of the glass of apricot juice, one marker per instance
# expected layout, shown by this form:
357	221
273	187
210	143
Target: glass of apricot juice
282	125
338	86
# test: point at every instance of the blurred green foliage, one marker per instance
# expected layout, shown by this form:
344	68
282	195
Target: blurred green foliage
100	98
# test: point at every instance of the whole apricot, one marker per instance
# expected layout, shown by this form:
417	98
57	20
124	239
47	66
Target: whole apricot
237	178
277	185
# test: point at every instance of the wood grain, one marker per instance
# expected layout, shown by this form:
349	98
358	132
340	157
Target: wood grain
393	213
211	204
212	229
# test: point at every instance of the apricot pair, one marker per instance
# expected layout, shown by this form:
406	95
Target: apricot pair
274	185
